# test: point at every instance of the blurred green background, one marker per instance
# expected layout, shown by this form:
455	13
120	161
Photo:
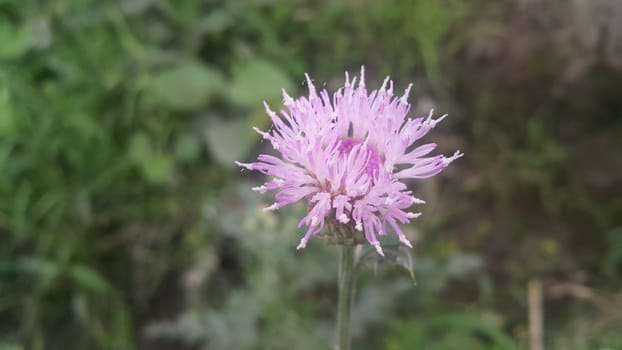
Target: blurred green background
125	225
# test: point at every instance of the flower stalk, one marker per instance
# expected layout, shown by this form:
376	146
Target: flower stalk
346	295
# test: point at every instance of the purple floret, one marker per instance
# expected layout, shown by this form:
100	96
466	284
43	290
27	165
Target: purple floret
341	156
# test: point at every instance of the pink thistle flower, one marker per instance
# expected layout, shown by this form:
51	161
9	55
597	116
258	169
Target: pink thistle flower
341	155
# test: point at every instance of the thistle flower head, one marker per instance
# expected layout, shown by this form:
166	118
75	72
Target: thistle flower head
347	155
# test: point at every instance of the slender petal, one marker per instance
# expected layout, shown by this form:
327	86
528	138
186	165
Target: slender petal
346	154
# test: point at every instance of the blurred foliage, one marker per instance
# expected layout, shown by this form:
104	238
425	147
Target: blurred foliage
125	223
448	332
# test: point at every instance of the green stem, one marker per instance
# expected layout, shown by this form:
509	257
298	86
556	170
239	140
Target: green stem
346	292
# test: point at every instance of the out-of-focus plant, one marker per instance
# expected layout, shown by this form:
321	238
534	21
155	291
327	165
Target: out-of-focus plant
272	306
108	125
283	300
119	119
464	331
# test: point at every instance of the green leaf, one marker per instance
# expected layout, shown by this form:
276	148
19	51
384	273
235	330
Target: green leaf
187	147
42	268
13	41
449	331
6	113
140	146
157	167
393	254
228	141
21	204
80	307
4	157
88	279
217	21
257	81
187	87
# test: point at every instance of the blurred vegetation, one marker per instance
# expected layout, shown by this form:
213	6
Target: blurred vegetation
125	224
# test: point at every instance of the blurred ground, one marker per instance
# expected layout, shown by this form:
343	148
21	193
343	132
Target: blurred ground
127	226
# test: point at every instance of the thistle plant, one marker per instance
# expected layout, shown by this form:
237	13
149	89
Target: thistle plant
347	156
